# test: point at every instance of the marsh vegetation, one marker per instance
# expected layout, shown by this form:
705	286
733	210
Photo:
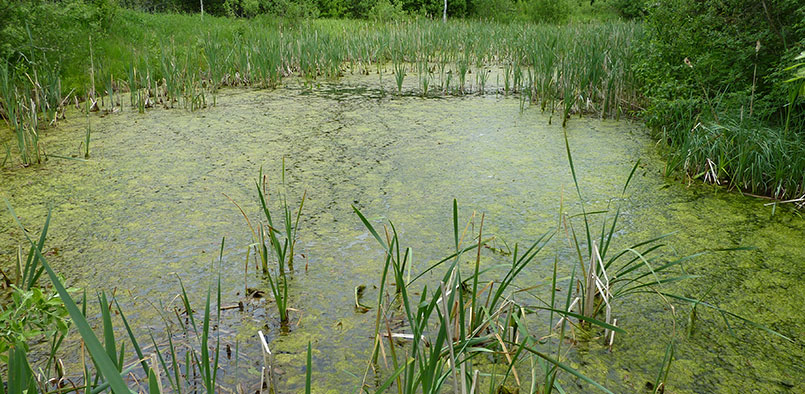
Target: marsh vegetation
468	206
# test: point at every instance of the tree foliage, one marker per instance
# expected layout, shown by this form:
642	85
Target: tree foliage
729	54
502	10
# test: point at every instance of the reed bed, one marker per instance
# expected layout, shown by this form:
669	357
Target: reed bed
584	67
172	61
578	68
742	155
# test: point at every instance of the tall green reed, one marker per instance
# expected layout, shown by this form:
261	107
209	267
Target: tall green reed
449	328
609	274
108	368
275	241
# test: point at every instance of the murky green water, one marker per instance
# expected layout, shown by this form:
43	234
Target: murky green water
151	204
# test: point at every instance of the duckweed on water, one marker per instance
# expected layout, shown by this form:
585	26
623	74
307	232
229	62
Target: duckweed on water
158	209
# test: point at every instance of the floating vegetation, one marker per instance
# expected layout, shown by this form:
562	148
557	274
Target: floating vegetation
477	327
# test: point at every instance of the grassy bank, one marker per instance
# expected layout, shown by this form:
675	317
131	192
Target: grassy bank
719	78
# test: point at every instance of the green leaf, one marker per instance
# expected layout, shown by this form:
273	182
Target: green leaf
105	364
393	376
567	368
309	369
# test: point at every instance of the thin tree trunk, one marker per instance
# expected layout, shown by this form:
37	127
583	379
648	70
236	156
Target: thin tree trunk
202	8
444	14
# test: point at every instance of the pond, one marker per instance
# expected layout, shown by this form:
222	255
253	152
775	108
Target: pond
155	199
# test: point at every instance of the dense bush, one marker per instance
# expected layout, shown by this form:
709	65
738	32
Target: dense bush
630	9
550	11
555	11
37	24
383	10
797	82
734	47
30	315
496	10
38	35
285	8
715	73
499	10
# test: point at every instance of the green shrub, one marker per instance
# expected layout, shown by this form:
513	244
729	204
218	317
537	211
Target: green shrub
31	314
496	10
720	39
105	12
797	88
715	73
333	8
245	8
47	36
630	9
384	10
552	11
292	9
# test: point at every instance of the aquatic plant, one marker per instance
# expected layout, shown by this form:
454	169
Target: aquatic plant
108	369
88	131
274	245
282	248
449	327
19	113
399	74
423	69
639	268
258	56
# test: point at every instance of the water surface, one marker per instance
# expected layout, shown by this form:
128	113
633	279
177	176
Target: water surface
153	203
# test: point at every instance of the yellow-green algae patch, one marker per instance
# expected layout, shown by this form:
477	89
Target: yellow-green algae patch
152	204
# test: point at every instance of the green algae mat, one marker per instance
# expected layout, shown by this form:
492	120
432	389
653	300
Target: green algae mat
154	199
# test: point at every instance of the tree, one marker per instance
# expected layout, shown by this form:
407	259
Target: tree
444	15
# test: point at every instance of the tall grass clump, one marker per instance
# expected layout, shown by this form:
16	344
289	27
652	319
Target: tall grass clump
275	240
280	241
31	98
19	113
610	274
451	327
746	156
